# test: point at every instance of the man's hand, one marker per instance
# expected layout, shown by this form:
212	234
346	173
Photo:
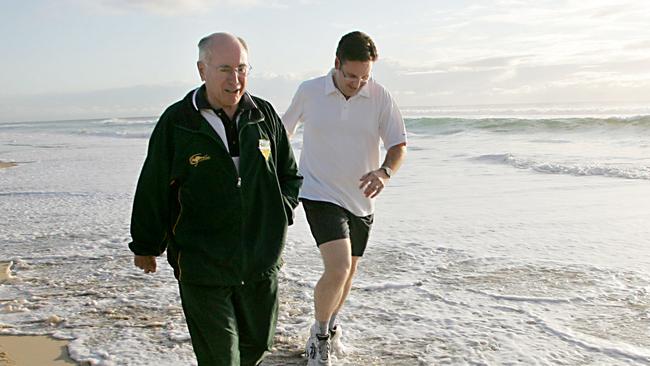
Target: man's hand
373	182
145	262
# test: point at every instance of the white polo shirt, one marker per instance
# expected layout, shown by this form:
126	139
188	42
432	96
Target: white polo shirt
341	139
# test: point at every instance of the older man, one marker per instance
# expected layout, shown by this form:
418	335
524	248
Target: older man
217	191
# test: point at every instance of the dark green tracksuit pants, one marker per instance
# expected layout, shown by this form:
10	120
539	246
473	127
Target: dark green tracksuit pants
231	325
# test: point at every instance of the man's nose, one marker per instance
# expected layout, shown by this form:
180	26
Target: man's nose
234	76
357	82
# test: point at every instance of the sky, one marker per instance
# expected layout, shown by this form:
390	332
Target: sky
76	59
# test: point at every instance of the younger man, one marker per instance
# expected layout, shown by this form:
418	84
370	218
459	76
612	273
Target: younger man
345	114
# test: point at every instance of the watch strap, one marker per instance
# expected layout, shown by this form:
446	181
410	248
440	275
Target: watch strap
387	170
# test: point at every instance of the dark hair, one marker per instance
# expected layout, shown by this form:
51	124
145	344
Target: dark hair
356	46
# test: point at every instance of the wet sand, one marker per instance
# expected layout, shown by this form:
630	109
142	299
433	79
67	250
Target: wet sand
16	350
33	350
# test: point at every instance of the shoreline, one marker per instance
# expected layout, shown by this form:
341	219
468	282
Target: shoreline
16	350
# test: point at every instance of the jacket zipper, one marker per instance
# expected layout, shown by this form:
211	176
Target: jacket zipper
178	263
180	211
239	184
178	219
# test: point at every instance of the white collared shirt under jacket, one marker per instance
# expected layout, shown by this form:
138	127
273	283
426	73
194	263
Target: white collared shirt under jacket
341	139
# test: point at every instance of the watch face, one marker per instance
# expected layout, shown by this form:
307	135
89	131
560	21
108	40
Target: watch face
389	171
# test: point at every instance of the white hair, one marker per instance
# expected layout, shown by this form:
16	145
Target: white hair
205	45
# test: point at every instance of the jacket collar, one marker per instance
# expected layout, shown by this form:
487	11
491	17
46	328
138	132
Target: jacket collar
251	113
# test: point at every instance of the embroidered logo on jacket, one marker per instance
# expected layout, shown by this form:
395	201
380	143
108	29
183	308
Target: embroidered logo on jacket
265	148
197	158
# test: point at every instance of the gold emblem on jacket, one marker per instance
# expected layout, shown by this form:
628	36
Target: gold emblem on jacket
265	148
197	158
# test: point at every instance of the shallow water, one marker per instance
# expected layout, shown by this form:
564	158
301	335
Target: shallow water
499	242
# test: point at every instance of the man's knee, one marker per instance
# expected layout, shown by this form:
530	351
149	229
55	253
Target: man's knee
337	259
338	271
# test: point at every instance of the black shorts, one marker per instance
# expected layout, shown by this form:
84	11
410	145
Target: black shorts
329	221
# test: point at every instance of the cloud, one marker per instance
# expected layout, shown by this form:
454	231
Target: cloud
491	62
503	64
504	76
515	79
605	79
638	45
181	7
487	81
551	30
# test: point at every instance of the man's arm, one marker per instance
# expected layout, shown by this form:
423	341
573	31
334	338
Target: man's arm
151	207
293	114
287	170
374	182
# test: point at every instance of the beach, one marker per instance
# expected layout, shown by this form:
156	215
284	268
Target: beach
509	236
19	350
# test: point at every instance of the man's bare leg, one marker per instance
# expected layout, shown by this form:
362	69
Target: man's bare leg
337	259
348	284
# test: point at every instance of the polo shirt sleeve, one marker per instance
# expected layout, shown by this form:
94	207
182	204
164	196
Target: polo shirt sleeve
391	124
293	115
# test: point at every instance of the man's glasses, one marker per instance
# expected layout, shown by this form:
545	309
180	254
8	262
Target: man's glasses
362	80
241	70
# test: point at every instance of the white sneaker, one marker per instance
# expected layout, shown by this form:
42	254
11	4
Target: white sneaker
338	348
318	349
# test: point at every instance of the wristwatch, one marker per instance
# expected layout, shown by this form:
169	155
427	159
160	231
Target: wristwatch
389	171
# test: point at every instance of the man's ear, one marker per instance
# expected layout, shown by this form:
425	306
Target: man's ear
201	66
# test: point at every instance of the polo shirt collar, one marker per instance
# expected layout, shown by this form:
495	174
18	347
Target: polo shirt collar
331	88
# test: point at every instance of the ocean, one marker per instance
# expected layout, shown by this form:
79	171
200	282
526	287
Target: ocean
512	235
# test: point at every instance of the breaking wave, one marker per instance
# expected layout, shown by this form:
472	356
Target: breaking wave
576	169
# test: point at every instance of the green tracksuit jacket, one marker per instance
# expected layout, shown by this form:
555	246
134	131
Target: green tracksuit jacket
219	226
